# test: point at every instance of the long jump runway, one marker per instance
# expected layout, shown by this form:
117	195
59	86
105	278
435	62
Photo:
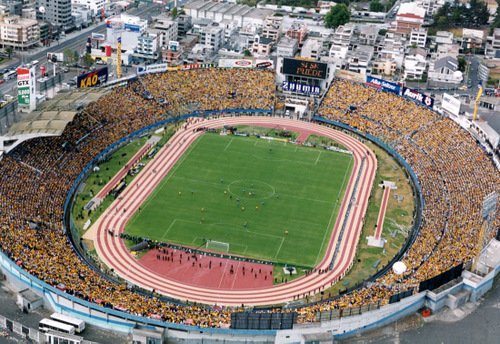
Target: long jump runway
114	254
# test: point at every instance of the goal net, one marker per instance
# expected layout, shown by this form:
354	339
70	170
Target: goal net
218	246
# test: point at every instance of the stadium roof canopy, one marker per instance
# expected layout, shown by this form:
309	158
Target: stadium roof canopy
51	118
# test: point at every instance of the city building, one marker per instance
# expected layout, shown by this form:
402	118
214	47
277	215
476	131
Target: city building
343	35
82	16
312	48
19	33
230	28
445	70
184	24
28	13
173	53
57	13
472	39
418	37
297	31
169	28
359	61
148	46
262	46
430	6
384	67
392	47
447	50
410	16
13	7
338	52
212	36
493	44
126	26
415	64
287	47
95	5
273	28
444	37
217	11
368	34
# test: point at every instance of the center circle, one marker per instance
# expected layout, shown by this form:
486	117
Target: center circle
260	190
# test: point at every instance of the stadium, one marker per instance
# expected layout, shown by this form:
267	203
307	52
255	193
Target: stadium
41	179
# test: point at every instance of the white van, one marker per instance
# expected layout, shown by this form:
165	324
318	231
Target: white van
35	63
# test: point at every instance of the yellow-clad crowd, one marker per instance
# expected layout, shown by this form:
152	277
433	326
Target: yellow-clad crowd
454	174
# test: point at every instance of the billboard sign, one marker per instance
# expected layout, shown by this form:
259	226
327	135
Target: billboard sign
98	37
93	79
235	63
308	69
26	87
383	85
345	74
418	97
263	64
131	28
301	88
451	104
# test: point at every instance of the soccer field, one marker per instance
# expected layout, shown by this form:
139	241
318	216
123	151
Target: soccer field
249	193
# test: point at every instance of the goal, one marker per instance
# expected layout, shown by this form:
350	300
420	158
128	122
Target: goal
218	246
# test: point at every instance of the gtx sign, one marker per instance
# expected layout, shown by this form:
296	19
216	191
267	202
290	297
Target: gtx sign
418	97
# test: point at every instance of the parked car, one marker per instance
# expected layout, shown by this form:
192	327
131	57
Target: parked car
462	88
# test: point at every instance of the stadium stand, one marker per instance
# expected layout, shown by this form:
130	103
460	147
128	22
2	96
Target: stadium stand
36	176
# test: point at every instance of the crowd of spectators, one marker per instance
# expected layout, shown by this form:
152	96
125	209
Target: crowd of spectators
454	173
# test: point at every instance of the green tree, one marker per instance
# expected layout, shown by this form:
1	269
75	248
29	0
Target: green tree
76	57
9	51
69	57
247	52
174	12
87	60
338	15
376	6
442	22
462	63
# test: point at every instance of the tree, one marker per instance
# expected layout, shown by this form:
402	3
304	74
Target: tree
174	12
247	52
9	51
376	6
69	57
87	60
462	63
338	15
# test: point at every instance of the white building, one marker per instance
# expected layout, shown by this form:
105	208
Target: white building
368	34
18	32
444	37
338	52
230	28
343	34
148	45
410	16
169	28
82	15
94	5
287	47
430	6
359	62
445	70
415	64
217	11
212	36
126	26
418	37
312	48
393	48
492	49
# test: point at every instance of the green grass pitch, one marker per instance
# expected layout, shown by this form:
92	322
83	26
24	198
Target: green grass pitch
280	186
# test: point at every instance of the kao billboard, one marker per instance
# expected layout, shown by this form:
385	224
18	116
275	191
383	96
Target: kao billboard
92	79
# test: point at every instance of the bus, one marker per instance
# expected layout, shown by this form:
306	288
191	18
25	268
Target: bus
47	324
10	75
78	324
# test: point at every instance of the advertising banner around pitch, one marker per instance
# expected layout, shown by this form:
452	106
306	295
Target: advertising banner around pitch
383	85
451	104
301	88
345	74
264	64
92	79
235	63
418	97
26	88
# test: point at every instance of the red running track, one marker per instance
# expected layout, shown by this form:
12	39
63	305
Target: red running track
113	252
381	214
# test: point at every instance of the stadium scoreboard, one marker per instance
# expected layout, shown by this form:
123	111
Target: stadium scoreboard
304	68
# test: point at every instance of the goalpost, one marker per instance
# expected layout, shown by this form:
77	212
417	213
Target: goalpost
218	246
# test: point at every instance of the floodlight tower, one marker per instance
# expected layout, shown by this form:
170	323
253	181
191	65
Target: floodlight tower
487	215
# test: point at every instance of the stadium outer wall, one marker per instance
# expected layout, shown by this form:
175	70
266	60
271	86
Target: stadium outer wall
124	322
